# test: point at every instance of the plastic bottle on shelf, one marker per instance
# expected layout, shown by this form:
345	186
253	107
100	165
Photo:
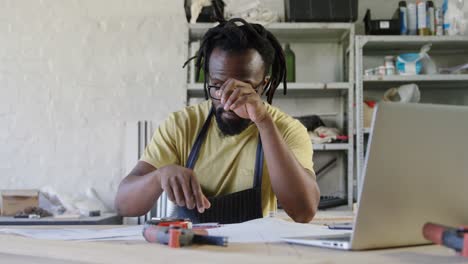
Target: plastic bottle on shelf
389	63
439	22
422	18
455	17
412	19
403	18
448	8
290	64
431	18
201	77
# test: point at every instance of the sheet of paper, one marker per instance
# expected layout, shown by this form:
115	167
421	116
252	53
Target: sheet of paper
123	233
270	230
255	231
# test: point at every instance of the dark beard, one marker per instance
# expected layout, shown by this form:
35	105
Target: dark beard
230	127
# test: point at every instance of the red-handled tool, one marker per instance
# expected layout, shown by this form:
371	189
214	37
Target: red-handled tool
178	233
455	238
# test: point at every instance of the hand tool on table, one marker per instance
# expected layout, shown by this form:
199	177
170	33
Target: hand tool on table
455	238
178	233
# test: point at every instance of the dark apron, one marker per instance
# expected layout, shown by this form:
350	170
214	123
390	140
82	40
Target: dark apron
231	208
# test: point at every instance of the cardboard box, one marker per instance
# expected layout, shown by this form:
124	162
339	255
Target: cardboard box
17	200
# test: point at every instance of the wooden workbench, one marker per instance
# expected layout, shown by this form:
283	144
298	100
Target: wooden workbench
14	249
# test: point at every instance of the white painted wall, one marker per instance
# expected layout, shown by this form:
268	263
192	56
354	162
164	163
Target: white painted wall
72	74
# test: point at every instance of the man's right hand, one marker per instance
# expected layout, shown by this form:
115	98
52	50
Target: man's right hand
182	187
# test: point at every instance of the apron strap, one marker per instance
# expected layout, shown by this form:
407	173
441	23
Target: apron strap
258	165
231	208
193	156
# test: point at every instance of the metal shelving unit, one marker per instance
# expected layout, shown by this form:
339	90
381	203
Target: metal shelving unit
342	33
442	46
294	89
316	32
331	146
405	43
428	81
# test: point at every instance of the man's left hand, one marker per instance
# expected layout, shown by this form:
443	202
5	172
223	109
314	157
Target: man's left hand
243	100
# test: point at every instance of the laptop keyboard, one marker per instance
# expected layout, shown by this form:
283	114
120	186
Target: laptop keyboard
331	201
328	202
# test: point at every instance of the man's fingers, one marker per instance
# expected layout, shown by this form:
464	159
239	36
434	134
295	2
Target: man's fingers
198	194
170	194
232	98
206	202
225	84
226	90
178	193
187	193
240	102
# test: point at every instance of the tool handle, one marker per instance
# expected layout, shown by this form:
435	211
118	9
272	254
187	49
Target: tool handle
177	236
464	251
165	235
447	236
174	237
433	232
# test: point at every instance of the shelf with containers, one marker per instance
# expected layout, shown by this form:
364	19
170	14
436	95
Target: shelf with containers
323	86
446	51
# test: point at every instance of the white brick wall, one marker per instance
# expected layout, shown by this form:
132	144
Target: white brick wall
72	73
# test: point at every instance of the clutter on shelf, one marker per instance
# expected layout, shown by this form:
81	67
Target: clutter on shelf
422	18
380	26
261	12
327	135
368	108
47	202
319	132
321	11
311	122
459	69
201	76
407	93
82	203
290	64
32	212
406	64
198	11
416	63
455	13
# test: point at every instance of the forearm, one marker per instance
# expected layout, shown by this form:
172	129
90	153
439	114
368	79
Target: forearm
295	188
137	194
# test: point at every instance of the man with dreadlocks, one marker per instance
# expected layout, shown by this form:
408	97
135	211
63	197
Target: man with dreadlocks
229	158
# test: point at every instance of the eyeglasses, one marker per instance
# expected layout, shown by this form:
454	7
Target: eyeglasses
212	89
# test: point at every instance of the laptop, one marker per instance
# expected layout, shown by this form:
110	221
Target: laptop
416	171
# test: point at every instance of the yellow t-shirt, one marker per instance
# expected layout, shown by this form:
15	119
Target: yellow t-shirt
225	164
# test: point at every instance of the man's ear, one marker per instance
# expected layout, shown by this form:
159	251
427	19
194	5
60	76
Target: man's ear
265	81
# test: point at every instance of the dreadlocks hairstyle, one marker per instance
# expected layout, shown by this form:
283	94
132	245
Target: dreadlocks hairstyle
229	36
